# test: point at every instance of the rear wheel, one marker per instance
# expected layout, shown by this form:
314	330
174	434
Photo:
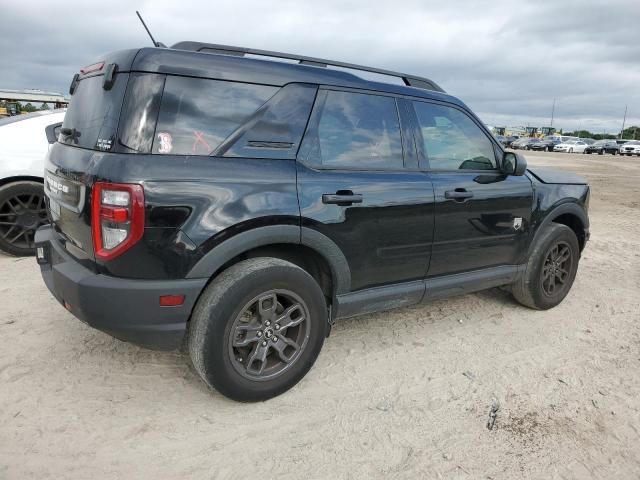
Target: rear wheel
551	269
571	150
22	211
257	329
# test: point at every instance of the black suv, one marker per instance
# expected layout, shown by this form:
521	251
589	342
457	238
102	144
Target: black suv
242	205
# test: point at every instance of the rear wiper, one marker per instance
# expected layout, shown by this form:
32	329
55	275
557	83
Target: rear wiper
70	132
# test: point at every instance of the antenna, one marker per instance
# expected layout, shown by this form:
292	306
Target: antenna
155	44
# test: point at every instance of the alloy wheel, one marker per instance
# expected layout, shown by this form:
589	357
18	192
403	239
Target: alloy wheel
556	269
269	334
20	217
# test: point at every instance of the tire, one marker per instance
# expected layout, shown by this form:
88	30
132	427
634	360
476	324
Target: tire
22	211
527	147
550	149
532	289
601	152
571	150
232	302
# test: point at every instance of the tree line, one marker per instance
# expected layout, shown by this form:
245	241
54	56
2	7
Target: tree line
632	133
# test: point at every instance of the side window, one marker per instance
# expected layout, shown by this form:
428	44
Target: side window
196	115
452	141
356	130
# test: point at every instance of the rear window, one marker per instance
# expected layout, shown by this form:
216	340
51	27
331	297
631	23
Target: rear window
93	113
196	115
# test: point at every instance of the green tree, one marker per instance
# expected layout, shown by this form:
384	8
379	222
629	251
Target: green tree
44	106
631	133
27	108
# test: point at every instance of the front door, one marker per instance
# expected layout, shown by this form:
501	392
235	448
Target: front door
482	216
359	185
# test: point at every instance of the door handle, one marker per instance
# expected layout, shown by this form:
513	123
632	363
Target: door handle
341	198
458	194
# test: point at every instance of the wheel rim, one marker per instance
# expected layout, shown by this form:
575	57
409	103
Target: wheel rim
556	269
20	217
269	334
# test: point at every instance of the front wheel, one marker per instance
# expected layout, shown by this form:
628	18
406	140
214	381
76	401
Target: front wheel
257	329
571	150
551	269
22	211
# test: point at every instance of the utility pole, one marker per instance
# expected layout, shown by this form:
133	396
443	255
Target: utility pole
624	119
553	108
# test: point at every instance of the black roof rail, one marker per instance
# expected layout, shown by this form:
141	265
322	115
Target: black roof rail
409	80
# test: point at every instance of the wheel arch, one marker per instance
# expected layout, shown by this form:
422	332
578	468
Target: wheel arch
573	216
307	248
20	178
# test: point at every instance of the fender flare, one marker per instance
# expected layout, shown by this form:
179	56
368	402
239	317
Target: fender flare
211	262
572	208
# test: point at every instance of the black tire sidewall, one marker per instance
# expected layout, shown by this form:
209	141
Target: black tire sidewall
10	190
219	371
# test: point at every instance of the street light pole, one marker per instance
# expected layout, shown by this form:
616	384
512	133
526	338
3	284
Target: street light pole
553	108
624	119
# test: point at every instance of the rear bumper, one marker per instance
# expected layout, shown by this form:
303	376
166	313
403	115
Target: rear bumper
126	309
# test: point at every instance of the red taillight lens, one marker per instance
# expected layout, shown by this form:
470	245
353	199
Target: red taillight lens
96	67
117	218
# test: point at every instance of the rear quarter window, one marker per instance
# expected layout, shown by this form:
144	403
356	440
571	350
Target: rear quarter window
196	115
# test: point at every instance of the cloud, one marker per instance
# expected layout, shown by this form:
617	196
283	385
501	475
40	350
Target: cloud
506	60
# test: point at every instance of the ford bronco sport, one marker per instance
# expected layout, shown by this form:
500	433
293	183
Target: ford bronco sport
240	203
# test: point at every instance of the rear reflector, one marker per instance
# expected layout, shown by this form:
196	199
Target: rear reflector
171	300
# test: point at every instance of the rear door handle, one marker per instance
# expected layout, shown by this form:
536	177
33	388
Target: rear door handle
458	194
343	199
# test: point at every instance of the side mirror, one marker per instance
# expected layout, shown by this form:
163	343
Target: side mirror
513	164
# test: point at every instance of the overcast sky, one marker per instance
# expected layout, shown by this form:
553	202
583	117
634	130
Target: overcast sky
506	59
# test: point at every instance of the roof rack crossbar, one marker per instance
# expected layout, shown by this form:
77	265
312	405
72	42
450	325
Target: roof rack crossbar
409	80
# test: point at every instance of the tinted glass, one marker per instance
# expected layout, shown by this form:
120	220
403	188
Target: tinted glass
140	111
196	115
452	140
93	113
357	130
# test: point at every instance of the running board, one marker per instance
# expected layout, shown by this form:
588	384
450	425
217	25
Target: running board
398	295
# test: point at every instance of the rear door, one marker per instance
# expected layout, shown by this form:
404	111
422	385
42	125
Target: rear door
482	216
359	184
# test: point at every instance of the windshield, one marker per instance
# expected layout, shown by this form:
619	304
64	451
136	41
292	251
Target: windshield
92	117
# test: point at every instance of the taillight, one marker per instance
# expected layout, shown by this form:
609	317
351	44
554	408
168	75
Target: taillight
117	217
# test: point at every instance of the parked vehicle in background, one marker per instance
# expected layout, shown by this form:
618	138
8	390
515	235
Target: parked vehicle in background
24	141
524	143
602	146
508	140
630	148
573	146
246	204
544	145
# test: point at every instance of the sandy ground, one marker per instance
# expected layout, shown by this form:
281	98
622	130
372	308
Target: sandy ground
403	394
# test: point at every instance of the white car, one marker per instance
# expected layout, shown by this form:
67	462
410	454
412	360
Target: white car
24	142
574	146
630	148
